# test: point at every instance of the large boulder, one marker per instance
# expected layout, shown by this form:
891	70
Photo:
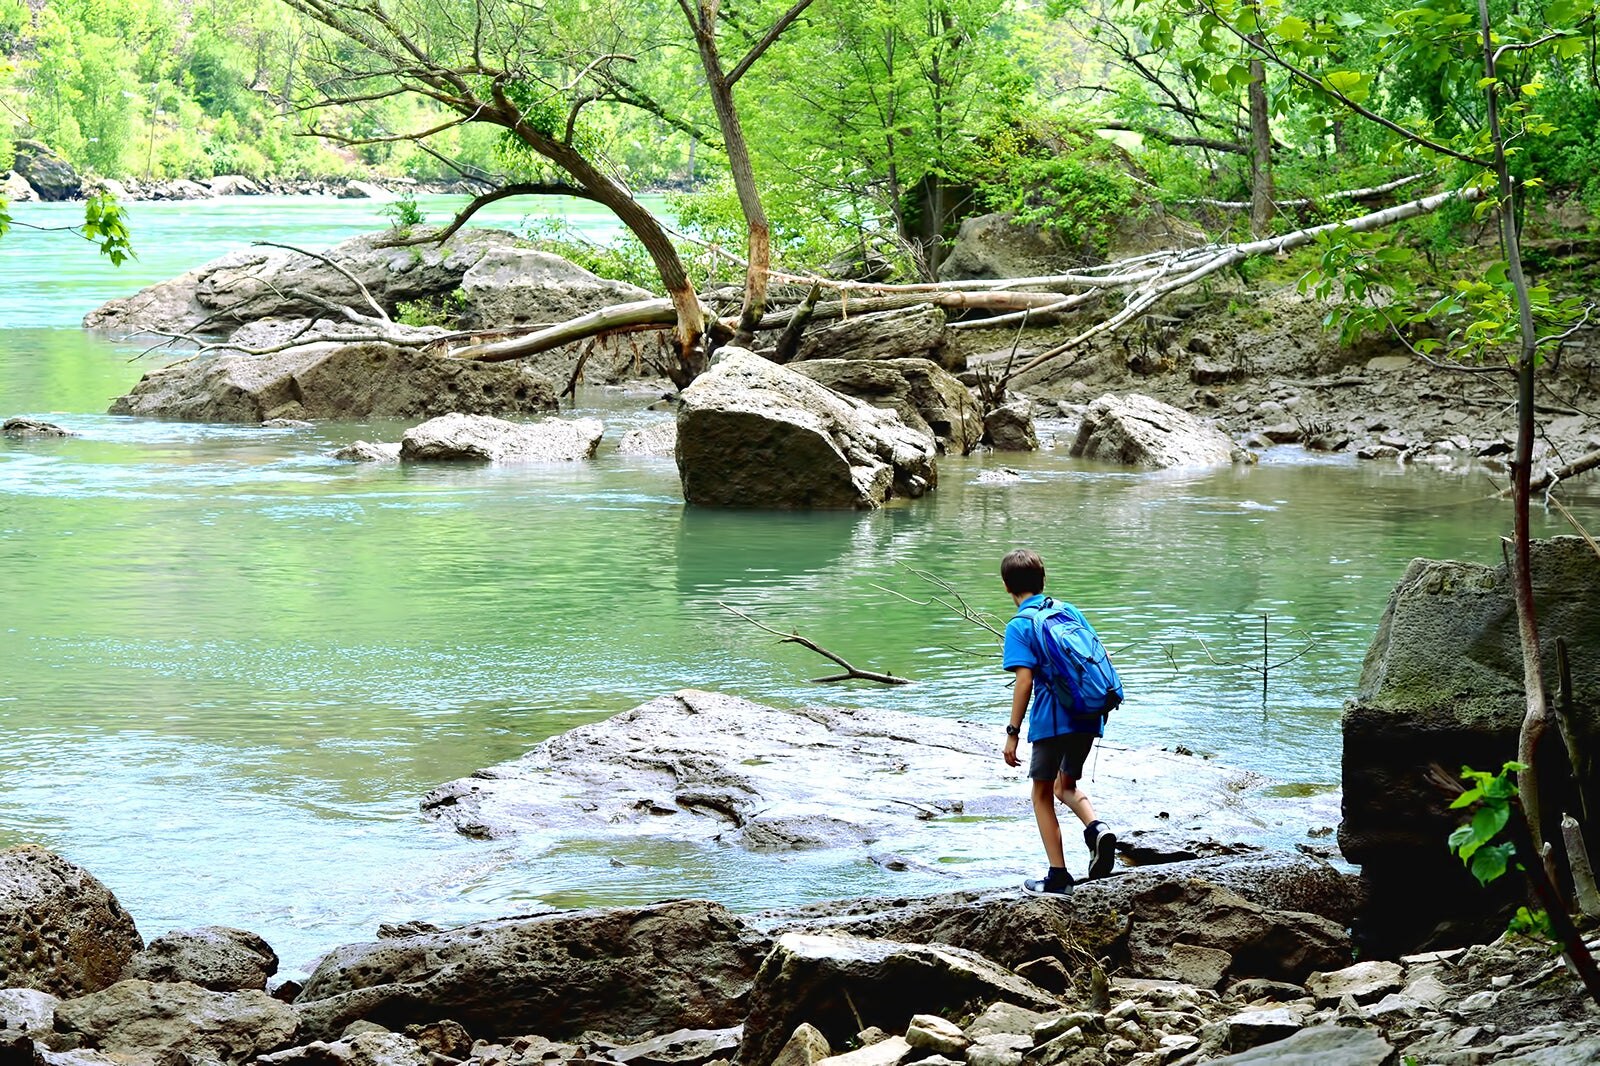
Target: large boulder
1442	685
341	381
991	246
61	930
1135	430
927	397
50	176
232	185
148	1022
518	286
913	333
261	283
14	188
213	957
752	433
687	964
839	984
483	439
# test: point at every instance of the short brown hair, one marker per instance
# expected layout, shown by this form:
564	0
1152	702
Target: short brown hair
1022	571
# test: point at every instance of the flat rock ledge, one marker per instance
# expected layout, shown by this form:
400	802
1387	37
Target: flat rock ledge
719	770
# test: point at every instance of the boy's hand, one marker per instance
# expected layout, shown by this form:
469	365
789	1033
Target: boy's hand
1010	752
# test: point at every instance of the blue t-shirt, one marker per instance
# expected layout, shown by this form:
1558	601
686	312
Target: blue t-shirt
1046	717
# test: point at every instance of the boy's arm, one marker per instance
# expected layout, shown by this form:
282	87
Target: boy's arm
1019	707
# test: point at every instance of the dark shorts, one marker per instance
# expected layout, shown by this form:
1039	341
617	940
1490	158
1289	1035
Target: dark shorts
1064	754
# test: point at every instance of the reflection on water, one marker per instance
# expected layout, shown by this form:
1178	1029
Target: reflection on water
232	665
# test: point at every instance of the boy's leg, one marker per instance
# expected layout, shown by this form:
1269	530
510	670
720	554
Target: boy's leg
1044	813
1042	770
1077	800
1097	837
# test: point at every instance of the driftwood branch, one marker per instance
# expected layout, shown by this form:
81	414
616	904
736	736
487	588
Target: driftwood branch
340	267
850	672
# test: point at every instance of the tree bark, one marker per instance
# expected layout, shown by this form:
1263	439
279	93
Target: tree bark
1261	208
1536	715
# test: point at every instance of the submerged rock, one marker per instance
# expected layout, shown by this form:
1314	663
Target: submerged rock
61	930
32	427
660	439
1135	430
347	381
1009	428
752	433
484	439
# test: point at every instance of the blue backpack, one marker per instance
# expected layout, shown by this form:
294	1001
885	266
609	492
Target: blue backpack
1076	665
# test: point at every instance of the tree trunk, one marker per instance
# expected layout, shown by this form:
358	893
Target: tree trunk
1260	152
689	331
1536	715
758	256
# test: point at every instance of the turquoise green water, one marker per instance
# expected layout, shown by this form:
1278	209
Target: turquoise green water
229	666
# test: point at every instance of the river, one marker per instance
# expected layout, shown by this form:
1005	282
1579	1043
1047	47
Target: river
231	665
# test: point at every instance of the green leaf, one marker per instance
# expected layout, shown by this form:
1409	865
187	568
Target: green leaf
1488	822
1349	83
1350	20
1467	798
1491	863
1460	837
1393	255
1570	48
1295	29
1484	83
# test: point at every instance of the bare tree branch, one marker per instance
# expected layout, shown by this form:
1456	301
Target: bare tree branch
851	673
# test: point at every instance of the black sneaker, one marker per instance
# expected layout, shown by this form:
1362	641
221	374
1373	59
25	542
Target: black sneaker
1102	844
1048	885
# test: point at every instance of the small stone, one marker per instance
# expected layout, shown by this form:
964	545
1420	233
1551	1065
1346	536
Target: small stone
1479	1001
1055	1025
1174	1044
1254	1028
1500	981
1048	973
1365	982
1126	1009
1057	1049
366	452
1259	988
997	1049
1004	1019
1395	1007
929	1032
871	1035
890	1051
1120	1046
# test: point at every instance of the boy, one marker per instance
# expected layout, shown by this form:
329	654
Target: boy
1060	742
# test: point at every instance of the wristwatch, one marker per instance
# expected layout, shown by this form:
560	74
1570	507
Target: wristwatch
1013	731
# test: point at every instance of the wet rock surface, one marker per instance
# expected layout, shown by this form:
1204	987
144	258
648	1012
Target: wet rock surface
61	929
716	769
344	381
25	428
752	433
480	438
